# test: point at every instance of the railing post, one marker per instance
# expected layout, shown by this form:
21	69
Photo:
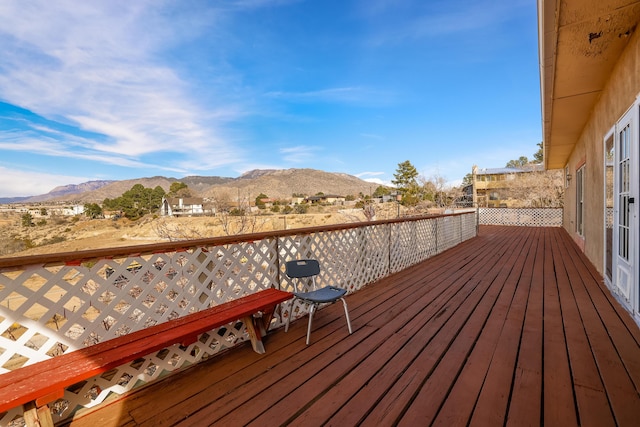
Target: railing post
437	232
277	245
389	226
390	245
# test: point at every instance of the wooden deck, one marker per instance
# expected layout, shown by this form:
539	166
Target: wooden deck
513	327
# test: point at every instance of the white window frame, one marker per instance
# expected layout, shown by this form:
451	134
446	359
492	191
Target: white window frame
608	214
580	200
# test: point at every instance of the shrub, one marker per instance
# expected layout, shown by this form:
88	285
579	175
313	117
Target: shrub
301	209
54	240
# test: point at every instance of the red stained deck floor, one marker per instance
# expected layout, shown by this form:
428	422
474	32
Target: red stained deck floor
511	328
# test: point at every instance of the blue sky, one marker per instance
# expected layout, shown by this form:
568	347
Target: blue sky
121	89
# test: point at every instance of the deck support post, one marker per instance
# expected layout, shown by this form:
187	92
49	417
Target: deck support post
37	417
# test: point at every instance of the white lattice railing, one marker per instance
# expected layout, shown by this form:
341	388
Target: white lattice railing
523	217
53	304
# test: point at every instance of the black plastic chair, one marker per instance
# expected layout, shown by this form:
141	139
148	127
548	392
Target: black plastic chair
310	268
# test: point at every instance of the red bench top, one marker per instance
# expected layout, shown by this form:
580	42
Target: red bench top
31	382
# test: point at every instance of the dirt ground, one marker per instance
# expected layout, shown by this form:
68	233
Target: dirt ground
68	234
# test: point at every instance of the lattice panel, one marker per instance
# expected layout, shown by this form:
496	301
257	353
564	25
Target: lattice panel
403	240
469	226
418	240
449	232
523	217
48	310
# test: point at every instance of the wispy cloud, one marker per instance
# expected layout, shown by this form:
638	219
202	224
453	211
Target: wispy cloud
365	174
33	182
298	154
52	148
378	181
372	177
331	95
434	18
254	4
99	66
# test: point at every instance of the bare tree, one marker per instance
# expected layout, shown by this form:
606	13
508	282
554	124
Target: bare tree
235	217
369	211
175	231
222	201
441	191
538	188
437	192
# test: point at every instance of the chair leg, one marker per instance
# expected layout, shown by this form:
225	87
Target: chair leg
346	313
312	309
286	325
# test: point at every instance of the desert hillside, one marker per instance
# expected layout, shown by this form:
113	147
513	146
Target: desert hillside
281	184
67	234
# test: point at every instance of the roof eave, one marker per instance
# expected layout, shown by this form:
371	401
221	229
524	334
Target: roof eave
579	41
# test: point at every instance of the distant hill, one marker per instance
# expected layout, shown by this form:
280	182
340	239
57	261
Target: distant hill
197	184
8	200
71	190
274	183
283	183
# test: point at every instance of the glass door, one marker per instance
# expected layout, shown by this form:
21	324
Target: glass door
625	227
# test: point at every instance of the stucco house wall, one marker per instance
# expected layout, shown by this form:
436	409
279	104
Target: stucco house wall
619	94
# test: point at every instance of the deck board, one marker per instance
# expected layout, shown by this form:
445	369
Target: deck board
514	327
622	395
559	322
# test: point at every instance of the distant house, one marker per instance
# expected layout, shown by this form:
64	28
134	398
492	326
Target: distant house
296	200
55	210
394	196
182	206
331	199
73	210
494	187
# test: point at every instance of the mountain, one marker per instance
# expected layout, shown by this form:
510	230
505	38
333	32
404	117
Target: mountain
275	183
197	184
69	192
257	173
9	200
282	183
201	184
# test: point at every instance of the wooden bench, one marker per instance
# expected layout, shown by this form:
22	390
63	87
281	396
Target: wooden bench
37	385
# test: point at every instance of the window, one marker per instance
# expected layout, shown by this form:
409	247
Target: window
580	201
609	171
624	192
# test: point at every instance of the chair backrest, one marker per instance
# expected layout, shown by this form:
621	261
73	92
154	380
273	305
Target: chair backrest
302	268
